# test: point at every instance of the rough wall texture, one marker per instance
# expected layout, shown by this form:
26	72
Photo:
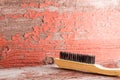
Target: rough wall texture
33	29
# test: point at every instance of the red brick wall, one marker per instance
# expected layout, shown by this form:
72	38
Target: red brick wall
30	30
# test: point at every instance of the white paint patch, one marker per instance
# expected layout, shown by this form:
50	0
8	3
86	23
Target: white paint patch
104	3
52	8
8	73
95	78
118	63
16	73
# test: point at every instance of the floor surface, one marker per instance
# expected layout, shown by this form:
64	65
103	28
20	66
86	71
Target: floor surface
48	72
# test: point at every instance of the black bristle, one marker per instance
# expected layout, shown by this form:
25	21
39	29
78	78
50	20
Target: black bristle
65	56
60	55
87	57
72	57
77	57
80	57
69	56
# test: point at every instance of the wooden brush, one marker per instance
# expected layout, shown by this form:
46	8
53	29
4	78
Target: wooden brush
85	63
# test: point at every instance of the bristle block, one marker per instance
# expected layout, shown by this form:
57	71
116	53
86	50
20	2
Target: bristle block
77	57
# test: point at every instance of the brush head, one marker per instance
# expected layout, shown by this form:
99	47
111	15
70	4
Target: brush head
77	57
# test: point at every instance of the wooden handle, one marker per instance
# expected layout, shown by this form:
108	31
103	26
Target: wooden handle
91	68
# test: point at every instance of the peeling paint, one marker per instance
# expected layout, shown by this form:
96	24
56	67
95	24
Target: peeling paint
51	27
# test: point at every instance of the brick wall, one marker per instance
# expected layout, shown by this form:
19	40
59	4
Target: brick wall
30	30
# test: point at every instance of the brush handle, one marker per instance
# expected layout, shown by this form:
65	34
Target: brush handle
107	71
91	68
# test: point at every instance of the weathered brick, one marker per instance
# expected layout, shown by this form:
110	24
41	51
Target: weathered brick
2	17
34	28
